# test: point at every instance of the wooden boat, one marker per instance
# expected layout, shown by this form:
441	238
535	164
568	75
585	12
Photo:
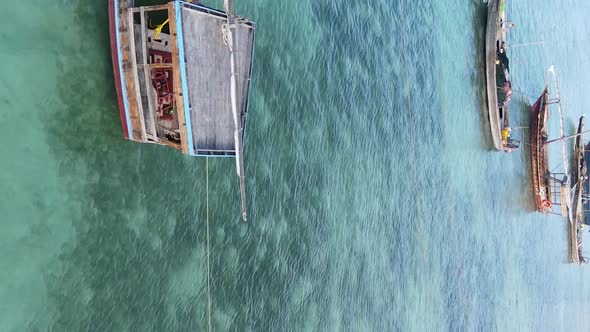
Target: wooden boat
539	153
184	84
498	86
550	189
579	175
586	195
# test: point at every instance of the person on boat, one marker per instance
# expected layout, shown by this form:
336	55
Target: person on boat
509	144
508	91
504	94
505	133
503	60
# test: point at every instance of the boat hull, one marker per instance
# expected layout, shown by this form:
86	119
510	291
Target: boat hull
117	73
579	175
539	154
491	86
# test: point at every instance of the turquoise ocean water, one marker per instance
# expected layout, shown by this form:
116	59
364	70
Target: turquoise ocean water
375	201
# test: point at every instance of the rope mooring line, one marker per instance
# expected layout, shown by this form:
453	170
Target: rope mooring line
208	247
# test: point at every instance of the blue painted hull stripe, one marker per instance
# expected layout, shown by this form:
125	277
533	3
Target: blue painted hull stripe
182	63
123	86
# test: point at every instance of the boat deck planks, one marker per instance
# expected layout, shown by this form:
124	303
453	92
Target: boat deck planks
208	70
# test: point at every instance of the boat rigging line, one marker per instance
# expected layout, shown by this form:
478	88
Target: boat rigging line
564	138
526	44
556	167
564	145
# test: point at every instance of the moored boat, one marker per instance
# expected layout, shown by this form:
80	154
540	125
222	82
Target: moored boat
498	85
539	153
185	82
586	195
551	186
579	175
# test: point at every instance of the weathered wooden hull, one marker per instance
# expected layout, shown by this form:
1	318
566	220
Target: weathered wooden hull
586	203
116	71
578	174
539	153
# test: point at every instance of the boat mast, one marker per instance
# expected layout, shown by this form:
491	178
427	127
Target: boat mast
564	146
567	137
238	133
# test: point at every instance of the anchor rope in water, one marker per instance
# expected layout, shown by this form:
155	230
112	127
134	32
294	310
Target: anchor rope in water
208	247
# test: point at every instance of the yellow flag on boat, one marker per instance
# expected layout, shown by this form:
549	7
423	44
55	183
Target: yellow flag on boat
159	27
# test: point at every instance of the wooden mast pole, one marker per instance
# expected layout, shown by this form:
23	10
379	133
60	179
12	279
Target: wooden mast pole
564	148
567	137
231	41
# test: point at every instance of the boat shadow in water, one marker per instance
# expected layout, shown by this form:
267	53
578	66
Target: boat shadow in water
479	75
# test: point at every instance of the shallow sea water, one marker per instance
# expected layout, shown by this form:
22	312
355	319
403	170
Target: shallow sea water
375	201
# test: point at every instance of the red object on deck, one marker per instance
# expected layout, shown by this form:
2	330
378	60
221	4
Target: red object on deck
115	58
162	81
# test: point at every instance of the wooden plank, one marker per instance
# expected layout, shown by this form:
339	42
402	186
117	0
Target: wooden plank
133	66
178	96
563	196
147	75
208	72
127	63
216	16
245	52
217	150
117	71
233	48
170	144
208	63
155	65
573	242
150	8
229	9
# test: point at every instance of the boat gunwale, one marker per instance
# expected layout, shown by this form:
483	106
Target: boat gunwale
580	162
539	155
492	97
494	118
114	42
